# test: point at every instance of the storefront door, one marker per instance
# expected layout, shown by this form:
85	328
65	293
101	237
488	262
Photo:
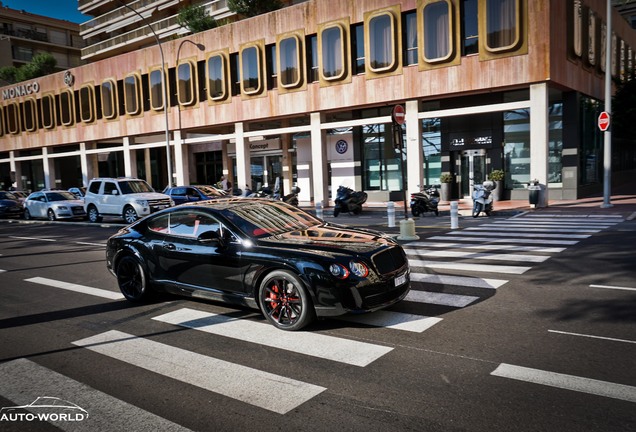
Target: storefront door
473	169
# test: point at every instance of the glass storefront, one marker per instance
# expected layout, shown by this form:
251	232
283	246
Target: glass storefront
591	151
432	148
381	161
516	148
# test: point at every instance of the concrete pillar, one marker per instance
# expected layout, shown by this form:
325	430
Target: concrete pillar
86	177
127	159
181	170
539	138
319	160
48	166
17	170
286	144
243	168
414	151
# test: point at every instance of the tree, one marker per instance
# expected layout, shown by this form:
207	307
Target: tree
196	19
7	74
250	8
40	65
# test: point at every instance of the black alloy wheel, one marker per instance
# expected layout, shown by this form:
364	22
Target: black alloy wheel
285	302
50	215
131	279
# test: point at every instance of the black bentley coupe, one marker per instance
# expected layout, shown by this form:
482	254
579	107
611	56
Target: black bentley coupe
263	254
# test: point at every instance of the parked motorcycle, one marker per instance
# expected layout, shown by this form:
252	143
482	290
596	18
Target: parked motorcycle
267	192
348	200
292	198
482	197
425	201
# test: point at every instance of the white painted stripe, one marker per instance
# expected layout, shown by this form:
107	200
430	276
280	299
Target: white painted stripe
77	288
91	244
23	381
262	389
464	281
506	247
33	238
613	287
2	271
562	215
313	344
524	222
470	267
571	219
499	241
518	234
394	320
532	229
442	299
593	337
477	255
567	382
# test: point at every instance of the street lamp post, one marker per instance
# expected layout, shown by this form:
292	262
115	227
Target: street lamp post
164	86
607	150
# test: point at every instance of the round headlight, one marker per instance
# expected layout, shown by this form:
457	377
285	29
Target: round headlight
339	271
359	269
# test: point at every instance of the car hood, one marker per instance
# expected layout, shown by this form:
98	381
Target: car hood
69	202
149	195
330	238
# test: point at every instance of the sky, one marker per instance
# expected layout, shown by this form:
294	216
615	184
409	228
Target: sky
60	9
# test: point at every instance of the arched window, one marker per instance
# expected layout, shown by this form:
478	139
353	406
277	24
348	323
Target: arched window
251	64
382	55
289	62
67	108
186	83
87	103
132	96
437	31
108	91
217	82
502	25
155	81
47	111
29	115
332	53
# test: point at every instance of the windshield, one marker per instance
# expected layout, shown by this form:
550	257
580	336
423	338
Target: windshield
263	218
60	196
7	195
209	191
134	186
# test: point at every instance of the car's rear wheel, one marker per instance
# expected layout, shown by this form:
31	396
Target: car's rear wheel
132	279
285	302
130	215
51	215
93	214
27	214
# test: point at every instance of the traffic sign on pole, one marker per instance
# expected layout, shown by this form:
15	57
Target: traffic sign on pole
604	121
398	114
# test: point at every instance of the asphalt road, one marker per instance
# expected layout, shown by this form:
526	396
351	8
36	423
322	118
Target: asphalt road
512	324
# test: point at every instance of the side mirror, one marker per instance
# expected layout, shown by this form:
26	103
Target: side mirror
115	192
211	237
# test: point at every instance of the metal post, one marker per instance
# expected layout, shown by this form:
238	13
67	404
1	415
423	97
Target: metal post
319	213
607	151
390	212
454	211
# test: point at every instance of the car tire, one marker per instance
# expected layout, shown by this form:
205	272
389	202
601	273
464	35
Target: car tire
336	211
132	280
129	215
27	214
93	214
285	302
50	214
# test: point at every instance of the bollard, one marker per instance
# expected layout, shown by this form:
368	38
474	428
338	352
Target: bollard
407	230
319	210
390	212
454	214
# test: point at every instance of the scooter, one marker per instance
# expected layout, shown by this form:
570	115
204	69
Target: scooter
292	198
482	197
347	200
425	201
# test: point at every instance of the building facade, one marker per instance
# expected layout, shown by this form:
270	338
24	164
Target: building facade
304	95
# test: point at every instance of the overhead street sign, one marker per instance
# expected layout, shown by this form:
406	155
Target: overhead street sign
604	121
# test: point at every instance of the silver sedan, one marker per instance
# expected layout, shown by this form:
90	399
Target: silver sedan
53	205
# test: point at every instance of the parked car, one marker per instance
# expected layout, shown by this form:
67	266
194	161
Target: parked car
20	194
184	194
259	253
127	198
53	205
10	205
79	192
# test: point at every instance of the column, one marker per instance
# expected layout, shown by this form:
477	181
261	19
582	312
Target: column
414	152
319	160
48	166
539	138
16	169
243	169
180	160
127	159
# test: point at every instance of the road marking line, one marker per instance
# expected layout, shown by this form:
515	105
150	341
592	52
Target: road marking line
313	344
394	320
91	244
564	221
593	337
23	381
262	389
613	287
498	241
518	234
532	229
506	247
77	288
557	224
465	281
442	299
567	382
477	255
470	267
33	238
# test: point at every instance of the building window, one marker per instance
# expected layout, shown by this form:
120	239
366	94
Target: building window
47	111
250	70
502	24
358	48
382	43
87	103
437	31
432	148
109	99
155	82
235	67
29	115
312	59
603	45
555	150
271	67
67	111
13	118
332	53
410	38
380	161
289	55
591	41
470	27
132	96
185	80
517	148
217	88
1	121
578	28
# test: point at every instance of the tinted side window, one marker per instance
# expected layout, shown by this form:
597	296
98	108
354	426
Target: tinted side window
184	224
94	187
109	188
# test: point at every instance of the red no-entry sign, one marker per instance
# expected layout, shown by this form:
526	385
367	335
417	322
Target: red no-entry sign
398	114
604	121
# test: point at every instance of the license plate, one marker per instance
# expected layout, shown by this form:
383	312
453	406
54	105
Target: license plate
400	280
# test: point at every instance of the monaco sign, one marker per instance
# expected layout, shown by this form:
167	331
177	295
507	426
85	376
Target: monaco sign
604	121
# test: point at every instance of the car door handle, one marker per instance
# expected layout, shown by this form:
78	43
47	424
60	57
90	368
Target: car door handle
169	246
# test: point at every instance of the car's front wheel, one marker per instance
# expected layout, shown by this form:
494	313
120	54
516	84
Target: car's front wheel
132	279
285	302
27	214
130	215
50	215
93	214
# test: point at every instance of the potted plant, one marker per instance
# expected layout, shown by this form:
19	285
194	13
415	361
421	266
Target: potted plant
497	176
445	179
